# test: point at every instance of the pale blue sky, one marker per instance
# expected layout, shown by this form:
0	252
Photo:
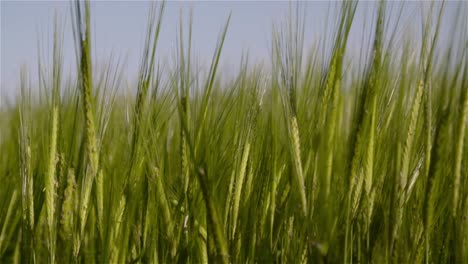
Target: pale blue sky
119	27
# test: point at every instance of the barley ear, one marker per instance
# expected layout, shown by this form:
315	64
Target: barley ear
296	156
50	184
67	220
238	186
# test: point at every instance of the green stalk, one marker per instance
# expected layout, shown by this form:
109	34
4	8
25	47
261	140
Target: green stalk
7	222
463	117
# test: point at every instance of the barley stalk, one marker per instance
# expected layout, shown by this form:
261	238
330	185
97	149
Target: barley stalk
369	171
403	175
7	220
85	68
414	114
100	201
463	116
213	219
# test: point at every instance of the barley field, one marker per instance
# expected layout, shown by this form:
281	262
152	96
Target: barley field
305	158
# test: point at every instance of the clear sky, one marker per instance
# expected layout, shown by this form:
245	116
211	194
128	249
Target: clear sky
119	28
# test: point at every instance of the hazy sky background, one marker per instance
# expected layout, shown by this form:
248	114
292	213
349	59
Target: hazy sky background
119	28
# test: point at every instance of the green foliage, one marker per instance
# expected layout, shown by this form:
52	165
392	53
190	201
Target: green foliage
293	163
